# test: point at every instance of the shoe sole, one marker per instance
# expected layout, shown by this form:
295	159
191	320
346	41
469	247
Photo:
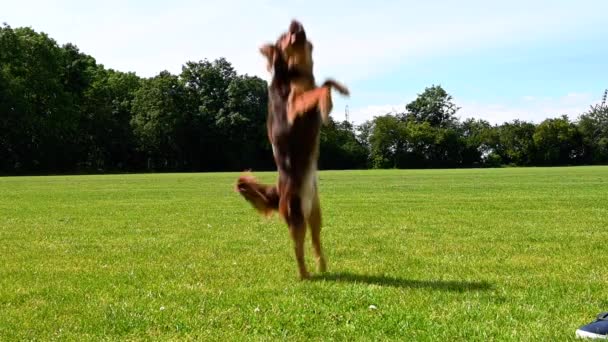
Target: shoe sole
590	335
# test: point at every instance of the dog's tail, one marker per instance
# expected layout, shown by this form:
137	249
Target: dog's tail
339	87
264	198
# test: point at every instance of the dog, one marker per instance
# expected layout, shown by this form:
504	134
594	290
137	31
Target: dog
296	111
304	95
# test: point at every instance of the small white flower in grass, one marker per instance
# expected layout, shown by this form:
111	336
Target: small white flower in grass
257	309
162	308
373	307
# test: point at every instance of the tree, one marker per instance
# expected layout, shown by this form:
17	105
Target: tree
363	135
60	111
39	119
516	143
593	127
395	143
557	142
206	84
340	148
106	134
424	136
243	124
158	120
387	141
418	148
446	148
477	140
434	106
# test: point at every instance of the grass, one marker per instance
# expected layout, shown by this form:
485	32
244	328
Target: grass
485	254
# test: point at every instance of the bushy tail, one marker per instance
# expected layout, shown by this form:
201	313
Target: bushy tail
339	87
264	198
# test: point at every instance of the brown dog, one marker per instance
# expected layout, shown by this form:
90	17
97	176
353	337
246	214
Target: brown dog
293	125
304	95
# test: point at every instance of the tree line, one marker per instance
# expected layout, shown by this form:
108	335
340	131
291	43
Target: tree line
61	111
428	134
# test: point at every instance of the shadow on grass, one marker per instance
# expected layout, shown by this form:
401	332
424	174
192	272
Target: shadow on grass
441	285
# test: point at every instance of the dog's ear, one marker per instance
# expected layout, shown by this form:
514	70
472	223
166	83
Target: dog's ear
269	51
284	41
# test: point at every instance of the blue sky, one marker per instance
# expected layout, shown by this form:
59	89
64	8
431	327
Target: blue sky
500	60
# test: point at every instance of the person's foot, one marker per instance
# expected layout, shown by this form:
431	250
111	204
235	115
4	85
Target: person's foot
595	330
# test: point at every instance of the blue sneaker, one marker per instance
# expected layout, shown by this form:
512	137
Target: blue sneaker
597	329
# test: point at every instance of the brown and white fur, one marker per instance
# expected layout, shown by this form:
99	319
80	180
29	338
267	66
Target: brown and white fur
293	126
305	95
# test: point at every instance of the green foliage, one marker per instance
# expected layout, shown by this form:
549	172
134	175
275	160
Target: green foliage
340	148
159	119
386	141
106	136
244	136
60	111
478	138
401	143
443	255
38	111
593	127
207	118
434	106
557	142
515	142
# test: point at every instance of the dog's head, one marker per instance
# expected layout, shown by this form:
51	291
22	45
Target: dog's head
294	48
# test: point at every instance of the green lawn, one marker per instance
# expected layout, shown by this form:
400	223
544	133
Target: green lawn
499	254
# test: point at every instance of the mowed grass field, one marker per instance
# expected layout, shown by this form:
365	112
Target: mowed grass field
483	254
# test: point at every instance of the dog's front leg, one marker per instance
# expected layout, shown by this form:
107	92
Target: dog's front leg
300	103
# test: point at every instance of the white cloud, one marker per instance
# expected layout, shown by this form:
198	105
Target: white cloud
359	115
529	108
351	42
354	43
148	38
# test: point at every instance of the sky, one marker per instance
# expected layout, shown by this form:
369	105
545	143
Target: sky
500	60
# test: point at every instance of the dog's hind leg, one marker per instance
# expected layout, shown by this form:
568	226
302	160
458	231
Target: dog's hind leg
298	234
297	230
314	221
